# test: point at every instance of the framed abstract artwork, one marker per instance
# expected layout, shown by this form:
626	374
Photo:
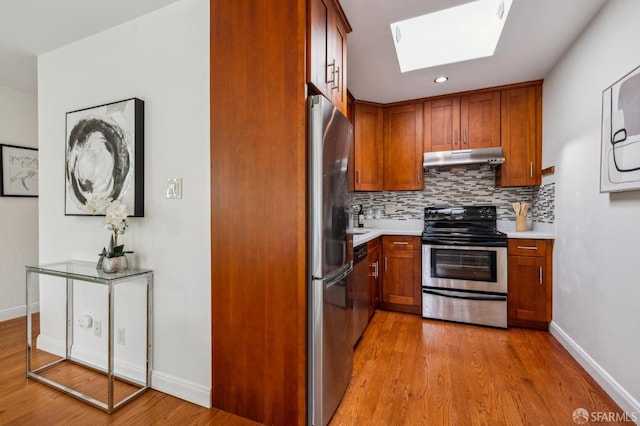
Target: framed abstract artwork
104	157
620	144
18	171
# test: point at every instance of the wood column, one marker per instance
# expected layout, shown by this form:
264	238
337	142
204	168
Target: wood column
258	209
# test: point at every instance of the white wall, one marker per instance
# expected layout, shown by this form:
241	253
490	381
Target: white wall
163	59
18	215
596	258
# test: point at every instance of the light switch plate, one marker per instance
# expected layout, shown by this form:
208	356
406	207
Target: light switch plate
174	188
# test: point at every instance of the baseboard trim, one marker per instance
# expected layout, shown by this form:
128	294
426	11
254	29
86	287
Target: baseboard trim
619	394
17	312
52	345
181	388
166	383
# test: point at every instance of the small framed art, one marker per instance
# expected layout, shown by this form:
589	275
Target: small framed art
19	174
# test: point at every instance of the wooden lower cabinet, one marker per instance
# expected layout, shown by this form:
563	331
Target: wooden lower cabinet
374	259
530	286
401	274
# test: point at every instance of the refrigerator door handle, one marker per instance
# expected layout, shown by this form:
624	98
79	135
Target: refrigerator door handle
339	275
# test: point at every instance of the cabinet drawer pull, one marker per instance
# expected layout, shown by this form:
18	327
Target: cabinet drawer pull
531	169
464	140
374	274
400	243
540	276
385	263
526	248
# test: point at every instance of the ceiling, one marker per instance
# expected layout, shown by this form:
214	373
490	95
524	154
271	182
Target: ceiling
535	36
29	28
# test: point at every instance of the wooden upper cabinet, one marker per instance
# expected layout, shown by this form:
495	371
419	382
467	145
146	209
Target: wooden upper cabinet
368	147
327	50
337	41
462	122
480	120
403	148
442	124
521	137
319	11
351	107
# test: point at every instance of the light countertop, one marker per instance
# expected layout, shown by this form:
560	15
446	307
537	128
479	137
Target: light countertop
374	228
413	227
373	233
535	230
533	235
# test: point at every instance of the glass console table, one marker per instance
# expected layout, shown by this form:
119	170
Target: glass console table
67	346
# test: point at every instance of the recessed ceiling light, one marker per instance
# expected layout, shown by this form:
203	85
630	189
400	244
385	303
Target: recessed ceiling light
460	33
441	79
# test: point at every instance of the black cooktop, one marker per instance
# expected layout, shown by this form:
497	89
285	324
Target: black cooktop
462	225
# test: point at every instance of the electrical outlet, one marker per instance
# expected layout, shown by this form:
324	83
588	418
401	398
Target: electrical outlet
97	328
121	336
389	208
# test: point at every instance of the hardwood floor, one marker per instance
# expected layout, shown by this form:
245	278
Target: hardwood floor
407	371
27	402
411	371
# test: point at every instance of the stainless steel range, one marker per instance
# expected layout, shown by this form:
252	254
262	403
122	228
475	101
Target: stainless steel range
464	266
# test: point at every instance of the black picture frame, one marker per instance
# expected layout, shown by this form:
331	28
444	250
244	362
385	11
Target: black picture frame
104	157
18	171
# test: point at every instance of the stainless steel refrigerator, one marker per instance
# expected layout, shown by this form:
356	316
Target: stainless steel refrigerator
330	351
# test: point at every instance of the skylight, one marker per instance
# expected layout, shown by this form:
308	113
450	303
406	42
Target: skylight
457	34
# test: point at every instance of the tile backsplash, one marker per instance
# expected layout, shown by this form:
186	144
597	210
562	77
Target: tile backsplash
471	185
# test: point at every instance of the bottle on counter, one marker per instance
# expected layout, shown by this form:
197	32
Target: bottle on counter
361	217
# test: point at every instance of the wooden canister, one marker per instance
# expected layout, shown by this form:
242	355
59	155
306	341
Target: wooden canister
521	223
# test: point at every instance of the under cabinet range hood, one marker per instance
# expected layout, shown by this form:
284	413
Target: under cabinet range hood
493	156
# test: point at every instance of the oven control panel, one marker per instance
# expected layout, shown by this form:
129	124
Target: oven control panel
470	213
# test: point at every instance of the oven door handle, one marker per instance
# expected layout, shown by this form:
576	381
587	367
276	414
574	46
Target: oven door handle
471	296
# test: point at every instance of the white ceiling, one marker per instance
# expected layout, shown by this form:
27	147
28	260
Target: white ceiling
29	28
535	36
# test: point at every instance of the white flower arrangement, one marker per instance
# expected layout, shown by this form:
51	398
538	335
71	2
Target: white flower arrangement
115	220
